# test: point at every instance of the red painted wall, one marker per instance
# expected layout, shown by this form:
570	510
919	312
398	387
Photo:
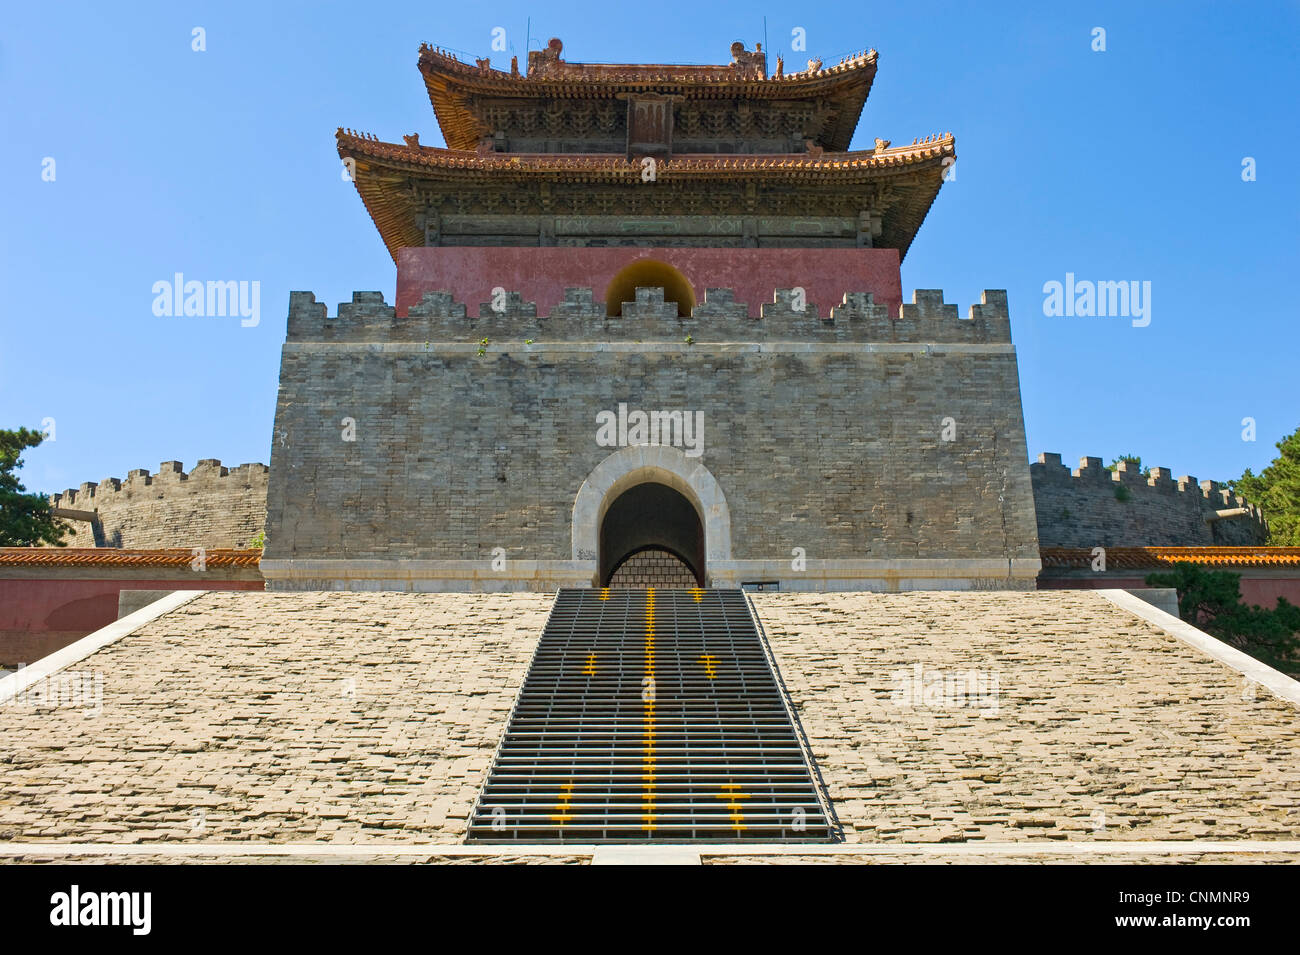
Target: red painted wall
38	617
542	274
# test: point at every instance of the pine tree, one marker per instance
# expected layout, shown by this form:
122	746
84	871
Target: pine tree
25	519
1276	491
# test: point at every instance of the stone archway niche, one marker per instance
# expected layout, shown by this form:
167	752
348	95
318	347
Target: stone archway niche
650	464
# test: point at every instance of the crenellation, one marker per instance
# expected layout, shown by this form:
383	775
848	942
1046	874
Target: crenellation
862	319
651	317
1087	508
1128	474
991	318
436	317
306	317
440	304
366	318
1048	467
788	314
1092	469
651	308
927	305
210	506
440	512
1162	480
514	308
721	308
579	304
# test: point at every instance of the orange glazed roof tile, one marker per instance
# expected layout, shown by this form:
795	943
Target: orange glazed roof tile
383	171
1147	557
454	86
839	167
121	557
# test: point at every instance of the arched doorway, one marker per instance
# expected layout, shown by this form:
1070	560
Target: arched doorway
651	536
649	273
629	467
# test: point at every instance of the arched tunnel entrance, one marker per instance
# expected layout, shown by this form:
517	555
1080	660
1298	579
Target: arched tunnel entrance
651	536
649	273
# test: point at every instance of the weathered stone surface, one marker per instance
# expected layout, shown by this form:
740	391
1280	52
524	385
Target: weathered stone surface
348	718
847	449
1094	507
212	507
1105	728
1044	858
284	717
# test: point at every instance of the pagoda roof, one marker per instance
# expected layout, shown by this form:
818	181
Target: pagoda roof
456	88
384	172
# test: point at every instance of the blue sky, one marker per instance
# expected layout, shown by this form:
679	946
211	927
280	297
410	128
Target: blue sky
1116	165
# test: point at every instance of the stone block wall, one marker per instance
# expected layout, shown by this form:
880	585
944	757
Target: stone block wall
416	447
212	506
1093	507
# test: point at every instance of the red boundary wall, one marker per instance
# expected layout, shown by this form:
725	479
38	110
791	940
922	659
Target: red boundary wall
38	617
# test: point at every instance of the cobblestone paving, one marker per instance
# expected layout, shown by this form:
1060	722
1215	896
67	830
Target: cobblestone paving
1101	726
348	718
1046	858
340	717
296	860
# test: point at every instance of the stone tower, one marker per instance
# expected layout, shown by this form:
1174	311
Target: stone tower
648	321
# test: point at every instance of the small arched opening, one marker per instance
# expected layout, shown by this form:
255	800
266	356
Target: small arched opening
651	536
649	273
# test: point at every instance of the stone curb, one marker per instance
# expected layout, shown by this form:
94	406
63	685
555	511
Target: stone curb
1281	684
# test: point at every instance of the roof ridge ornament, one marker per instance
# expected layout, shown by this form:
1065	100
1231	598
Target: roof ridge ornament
747	62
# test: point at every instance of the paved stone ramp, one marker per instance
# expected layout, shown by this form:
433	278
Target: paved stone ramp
339	717
1103	727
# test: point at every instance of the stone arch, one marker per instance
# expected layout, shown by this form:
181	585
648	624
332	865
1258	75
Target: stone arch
649	273
657	464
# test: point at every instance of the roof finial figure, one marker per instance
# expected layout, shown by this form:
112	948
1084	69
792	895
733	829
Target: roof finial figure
544	61
755	62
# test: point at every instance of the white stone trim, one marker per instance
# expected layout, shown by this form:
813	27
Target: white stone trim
452	576
1281	684
628	467
20	680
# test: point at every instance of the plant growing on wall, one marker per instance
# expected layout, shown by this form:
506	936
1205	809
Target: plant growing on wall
25	519
1133	459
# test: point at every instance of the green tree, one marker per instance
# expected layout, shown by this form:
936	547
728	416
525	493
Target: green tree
25	519
1211	600
1133	459
1276	491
